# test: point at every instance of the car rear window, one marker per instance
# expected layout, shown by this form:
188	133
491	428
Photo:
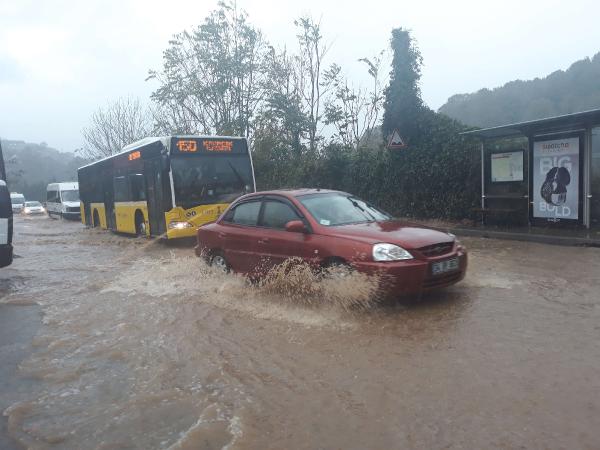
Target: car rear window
245	214
277	214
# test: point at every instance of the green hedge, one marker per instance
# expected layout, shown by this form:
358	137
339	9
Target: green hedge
437	176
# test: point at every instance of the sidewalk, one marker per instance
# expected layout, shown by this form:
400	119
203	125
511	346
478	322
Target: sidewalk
590	238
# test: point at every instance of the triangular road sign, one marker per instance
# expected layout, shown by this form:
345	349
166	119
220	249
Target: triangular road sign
396	141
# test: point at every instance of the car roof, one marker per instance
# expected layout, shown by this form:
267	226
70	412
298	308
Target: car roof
65	185
297	192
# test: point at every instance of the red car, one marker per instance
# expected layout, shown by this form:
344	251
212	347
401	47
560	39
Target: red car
330	228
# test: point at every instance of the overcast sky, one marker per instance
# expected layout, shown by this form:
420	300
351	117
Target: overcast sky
61	59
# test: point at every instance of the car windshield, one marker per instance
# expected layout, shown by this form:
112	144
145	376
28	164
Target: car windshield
17	200
30	204
202	180
340	209
69	196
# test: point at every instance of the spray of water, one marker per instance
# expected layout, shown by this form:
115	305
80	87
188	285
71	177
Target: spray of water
296	282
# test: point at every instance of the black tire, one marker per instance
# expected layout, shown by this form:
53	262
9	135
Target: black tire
95	219
218	261
140	224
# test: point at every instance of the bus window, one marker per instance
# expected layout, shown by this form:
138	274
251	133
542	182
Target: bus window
210	179
121	192
138	187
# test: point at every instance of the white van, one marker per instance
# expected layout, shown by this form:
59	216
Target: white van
18	201
62	200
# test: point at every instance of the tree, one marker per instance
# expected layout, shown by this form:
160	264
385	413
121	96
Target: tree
283	114
114	126
211	77
354	111
403	104
310	60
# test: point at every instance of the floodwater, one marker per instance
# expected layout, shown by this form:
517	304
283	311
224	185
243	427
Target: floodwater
144	347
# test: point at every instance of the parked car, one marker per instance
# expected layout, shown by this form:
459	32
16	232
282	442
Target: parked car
32	208
330	228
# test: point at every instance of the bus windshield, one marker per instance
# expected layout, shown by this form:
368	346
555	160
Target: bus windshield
210	179
69	196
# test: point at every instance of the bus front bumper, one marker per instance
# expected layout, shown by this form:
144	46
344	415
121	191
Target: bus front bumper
176	233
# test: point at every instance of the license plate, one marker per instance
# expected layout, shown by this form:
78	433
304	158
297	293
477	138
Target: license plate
444	266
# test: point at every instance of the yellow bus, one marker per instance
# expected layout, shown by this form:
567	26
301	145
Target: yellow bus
165	186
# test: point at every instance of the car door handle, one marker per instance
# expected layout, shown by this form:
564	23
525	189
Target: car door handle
263	241
222	235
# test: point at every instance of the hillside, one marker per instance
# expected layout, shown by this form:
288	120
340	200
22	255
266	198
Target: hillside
561	92
30	167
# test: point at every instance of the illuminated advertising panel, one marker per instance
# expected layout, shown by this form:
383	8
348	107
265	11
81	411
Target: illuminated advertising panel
556	179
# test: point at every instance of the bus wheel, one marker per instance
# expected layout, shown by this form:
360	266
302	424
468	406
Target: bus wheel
140	224
219	262
96	219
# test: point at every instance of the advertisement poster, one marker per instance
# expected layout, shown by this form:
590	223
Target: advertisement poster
507	166
556	179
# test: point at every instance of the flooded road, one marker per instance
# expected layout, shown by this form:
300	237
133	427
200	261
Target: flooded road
141	346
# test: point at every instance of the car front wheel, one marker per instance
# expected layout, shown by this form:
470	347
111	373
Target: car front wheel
219	262
337	269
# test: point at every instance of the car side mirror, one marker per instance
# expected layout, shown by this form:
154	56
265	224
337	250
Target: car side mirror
296	226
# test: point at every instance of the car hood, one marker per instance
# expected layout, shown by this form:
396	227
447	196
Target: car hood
71	204
404	234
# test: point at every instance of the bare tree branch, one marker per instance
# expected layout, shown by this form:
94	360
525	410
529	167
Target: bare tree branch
114	126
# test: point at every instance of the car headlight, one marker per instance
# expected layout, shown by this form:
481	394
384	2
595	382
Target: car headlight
390	252
179	225
456	241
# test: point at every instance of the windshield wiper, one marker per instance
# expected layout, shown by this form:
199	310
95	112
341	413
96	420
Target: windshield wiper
356	205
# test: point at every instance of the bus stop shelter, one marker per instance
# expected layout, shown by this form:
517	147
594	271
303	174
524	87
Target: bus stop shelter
542	173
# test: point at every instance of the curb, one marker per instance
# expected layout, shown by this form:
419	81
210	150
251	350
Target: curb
526	237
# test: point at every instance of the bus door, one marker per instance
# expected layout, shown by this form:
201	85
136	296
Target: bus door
154	186
109	200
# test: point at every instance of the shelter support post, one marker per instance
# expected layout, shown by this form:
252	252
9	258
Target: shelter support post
587	184
482	180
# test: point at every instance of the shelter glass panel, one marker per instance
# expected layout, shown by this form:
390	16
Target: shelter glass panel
595	179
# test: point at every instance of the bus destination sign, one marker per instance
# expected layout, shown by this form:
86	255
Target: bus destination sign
134	155
218	146
187	146
209	145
